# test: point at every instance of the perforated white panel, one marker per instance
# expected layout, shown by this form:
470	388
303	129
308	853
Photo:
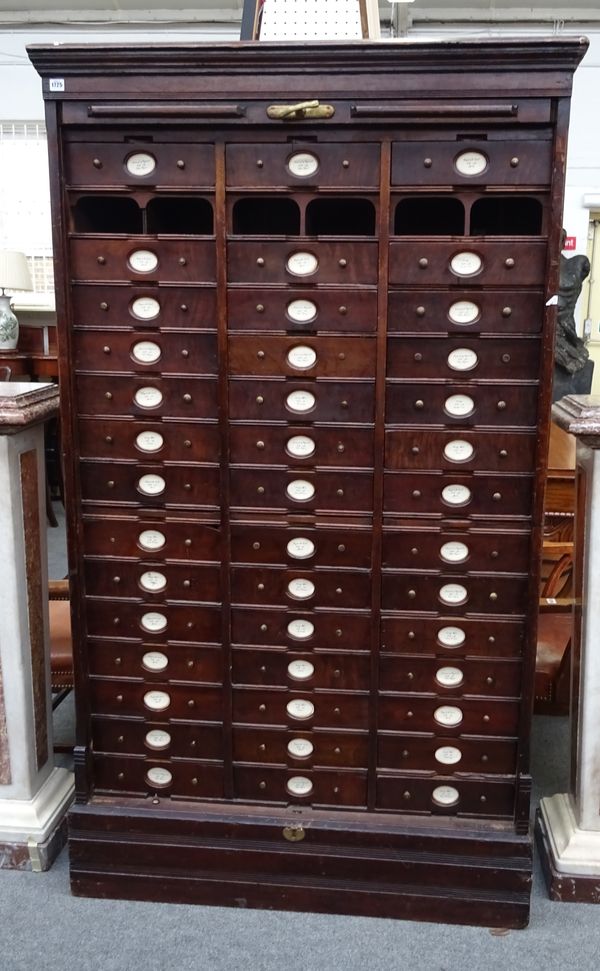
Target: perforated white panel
311	20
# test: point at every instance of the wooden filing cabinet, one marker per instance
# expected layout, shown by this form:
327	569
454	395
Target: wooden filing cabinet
306	360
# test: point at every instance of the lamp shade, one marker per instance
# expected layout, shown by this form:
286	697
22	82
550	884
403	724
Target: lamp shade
14	272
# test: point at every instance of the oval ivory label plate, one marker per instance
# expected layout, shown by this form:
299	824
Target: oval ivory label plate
155	661
463	312
300	490
451	636
300	401
300	629
303	164
302	264
300	748
470	163
453	593
148	397
301	311
458	450
157	739
301	548
459	405
153	581
300	446
157	776
300	708
143	261
449	677
462	359
302	357
146	352
145	308
456	494
149	441
152	539
151	484
465	264
157	700
448	715
445	796
140	164
154	622
448	755
454	552
301	588
301	670
299	785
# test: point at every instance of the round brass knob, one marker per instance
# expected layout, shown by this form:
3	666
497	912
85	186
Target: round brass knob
497	496
337	711
506	311
423	262
339	492
262	785
414	551
493	596
406	794
342	263
187	542
502	453
260	308
514	162
416	494
341	548
344	404
486	718
259	163
345	164
260	445
256	546
182	261
191	703
427	162
121	739
505	358
343	310
104	305
410	676
485	758
338	632
262	707
509	263
341	447
489	680
187	443
410	714
482	799
108	395
415	450
411	635
259	399
187	486
183	307
111	484
418	356
342	356
263	628
185	352
187	398
501	405
260	261
261	490
187	583
108	439
260	586
494	554
420	311
491	639
419	404
120	776
337	751
116	621
412	594
180	163
100	260
97	163
119	698
260	355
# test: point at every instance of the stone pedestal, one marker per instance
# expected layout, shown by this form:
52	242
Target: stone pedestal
34	794
568	824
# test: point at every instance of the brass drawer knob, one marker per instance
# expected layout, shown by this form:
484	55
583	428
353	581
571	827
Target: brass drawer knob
187	398
419	404
104	305
497	496
180	163
259	163
182	261
260	400
185	352
256	546
345	164
260	261
506	311
101	260
423	263
420	311
343	263
415	450
501	405
343	310
260	445
416	494
294	834
260	308
427	162
509	263
108	395
97	163
514	162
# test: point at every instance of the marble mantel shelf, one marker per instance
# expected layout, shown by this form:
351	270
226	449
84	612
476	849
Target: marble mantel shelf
25	403
579	414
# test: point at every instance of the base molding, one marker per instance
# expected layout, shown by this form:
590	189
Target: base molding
33	831
390	866
570	856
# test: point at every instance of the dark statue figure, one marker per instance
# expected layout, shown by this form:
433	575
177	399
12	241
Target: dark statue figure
572	368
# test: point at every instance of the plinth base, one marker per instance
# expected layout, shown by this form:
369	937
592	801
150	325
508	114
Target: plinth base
570	856
33	831
452	871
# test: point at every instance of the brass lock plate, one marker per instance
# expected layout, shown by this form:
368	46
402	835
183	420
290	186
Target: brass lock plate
304	110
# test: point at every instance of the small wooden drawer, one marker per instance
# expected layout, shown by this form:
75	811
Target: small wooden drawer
474	716
475	594
327	546
141	260
422	261
325	787
430	493
145	352
298	445
302	357
342	491
292	670
123	307
156	740
144	164
337	262
164	537
267	706
283	399
322	163
187	779
118	482
450	678
152	622
467	451
475	549
468	311
146	396
155	441
343	631
118	658
462	404
451	637
301	588
476	797
452	757
445	162
127	698
150	581
302	311
464	358
272	746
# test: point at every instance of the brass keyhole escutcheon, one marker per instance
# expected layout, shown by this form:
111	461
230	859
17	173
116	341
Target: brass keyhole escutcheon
294	833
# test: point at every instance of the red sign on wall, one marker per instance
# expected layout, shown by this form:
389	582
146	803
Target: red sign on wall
570	242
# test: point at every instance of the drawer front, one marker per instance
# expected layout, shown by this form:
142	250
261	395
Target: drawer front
188	541
113	482
461	677
328	546
270	489
450	637
178	353
317	163
481	797
478	715
426	548
328	311
329	788
192	741
461	404
268	261
448	161
337	357
316	588
128	698
463	358
152	581
115	395
488	451
486	495
118	658
124	307
343	631
422	261
268	707
341	672
450	594
323	401
468	311
298	446
447	757
270	746
115	163
110	618
149	440
168	260
189	779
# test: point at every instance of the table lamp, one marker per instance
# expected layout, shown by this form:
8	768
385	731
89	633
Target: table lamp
14	275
